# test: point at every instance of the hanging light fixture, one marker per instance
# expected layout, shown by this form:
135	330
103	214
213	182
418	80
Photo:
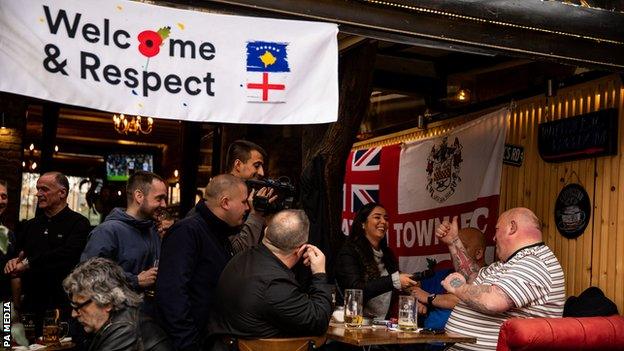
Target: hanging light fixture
463	95
136	124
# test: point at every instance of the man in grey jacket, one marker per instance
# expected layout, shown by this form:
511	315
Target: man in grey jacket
129	237
245	160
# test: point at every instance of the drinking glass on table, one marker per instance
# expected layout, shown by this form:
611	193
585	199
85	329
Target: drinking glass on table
53	330
408	313
28	320
353	315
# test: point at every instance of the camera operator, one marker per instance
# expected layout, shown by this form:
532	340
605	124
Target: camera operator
245	160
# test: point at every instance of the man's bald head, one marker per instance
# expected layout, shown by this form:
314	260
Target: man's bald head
474	242
226	197
515	229
287	230
221	185
527	221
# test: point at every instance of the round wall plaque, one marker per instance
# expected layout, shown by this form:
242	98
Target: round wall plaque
572	211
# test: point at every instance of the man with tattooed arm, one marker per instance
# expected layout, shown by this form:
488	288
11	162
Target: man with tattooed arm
526	282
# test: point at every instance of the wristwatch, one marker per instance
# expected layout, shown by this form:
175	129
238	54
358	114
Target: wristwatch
430	299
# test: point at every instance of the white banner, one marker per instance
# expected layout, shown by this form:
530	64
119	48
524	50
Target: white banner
139	59
453	169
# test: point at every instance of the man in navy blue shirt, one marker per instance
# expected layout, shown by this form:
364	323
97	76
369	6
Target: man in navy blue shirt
129	236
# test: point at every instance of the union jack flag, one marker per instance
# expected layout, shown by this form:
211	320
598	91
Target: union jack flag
366	160
362	179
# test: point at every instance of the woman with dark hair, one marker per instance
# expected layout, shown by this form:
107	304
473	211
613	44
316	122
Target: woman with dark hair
365	262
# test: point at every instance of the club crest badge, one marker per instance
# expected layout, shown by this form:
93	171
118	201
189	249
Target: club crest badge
443	166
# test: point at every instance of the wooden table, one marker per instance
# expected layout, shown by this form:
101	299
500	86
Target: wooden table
367	336
62	346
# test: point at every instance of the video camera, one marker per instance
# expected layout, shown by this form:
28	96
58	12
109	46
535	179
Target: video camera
283	188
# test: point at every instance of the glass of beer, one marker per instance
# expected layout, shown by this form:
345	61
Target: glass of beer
408	313
53	330
353	315
28	320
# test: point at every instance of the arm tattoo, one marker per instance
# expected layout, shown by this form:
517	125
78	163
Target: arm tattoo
462	262
456	283
475	295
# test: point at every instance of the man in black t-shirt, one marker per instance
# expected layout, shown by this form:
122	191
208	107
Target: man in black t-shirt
49	247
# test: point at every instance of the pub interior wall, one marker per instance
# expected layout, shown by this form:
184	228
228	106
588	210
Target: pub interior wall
597	256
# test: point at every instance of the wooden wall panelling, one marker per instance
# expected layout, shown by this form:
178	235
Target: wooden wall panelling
594	258
617	100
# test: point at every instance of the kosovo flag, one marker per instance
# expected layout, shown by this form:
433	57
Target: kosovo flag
265	56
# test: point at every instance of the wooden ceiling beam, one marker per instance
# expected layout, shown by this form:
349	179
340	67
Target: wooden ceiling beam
529	29
413	67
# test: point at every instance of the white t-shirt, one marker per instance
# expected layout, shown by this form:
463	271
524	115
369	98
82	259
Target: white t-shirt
534	281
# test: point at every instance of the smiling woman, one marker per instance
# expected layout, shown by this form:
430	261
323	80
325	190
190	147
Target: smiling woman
366	263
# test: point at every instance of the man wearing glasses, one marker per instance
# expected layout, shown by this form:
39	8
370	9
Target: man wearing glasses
107	308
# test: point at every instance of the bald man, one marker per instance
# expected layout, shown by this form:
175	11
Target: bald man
432	294
526	282
258	293
193	255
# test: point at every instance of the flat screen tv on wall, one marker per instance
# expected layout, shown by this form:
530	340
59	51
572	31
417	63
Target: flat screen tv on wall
120	166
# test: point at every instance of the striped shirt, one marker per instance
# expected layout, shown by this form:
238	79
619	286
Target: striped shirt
533	280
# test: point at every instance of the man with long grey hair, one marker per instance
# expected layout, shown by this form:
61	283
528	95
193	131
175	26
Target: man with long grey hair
107	307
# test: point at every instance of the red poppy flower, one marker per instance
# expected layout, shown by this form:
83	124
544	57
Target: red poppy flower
150	43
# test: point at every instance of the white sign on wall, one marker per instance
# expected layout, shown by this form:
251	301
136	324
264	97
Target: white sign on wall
139	59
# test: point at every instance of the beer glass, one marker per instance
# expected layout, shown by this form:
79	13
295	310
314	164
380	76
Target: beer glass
151	291
408	313
53	330
353	315
28	320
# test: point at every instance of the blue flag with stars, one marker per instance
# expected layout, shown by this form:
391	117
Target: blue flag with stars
265	56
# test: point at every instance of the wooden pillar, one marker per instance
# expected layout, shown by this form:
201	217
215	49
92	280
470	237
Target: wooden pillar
11	152
48	136
191	137
333	142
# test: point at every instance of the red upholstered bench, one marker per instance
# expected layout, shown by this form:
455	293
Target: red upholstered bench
552	334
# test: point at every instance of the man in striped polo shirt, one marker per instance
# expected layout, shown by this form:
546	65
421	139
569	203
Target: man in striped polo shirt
526	282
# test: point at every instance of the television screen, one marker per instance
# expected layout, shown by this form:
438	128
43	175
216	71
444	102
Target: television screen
119	167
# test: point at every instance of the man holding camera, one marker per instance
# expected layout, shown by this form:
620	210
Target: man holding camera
245	160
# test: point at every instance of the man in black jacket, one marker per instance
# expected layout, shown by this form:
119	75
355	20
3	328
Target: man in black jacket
193	255
258	294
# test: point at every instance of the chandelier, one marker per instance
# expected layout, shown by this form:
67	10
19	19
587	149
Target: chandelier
136	124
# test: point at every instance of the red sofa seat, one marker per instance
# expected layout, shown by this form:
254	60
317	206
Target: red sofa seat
587	333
